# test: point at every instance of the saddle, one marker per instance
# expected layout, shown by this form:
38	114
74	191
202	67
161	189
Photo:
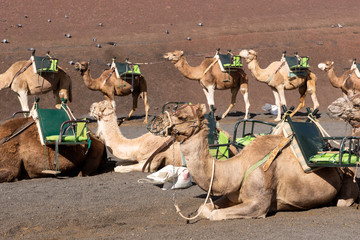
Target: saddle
229	62
125	70
44	64
295	65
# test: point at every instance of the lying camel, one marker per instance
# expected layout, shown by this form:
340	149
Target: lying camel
110	86
20	78
137	149
277	78
347	82
22	157
212	78
284	186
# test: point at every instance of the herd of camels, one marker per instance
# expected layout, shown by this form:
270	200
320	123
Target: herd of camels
261	194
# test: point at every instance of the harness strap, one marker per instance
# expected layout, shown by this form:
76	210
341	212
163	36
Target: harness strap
272	75
161	148
108	77
268	158
16	132
210	66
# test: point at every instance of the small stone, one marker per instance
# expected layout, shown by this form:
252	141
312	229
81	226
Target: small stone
94	39
339	25
100	24
319	43
71	62
167	31
31	49
68	35
200	24
49	20
4	41
26	16
332	26
188	38
108	64
66	16
19	25
98	45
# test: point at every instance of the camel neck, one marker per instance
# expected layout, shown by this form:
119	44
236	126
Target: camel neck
199	162
109	131
262	75
334	80
91	83
192	73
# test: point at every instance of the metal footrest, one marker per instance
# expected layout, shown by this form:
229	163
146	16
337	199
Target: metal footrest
52	172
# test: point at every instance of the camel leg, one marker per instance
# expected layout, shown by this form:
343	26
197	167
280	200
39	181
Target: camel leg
245	94
277	103
135	167
311	89
234	92
6	175
147	106
302	91
349	192
209	94
23	98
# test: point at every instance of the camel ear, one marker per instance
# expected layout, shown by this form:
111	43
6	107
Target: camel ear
182	53
332	63
321	66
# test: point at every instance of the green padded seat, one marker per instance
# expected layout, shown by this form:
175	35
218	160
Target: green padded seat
331	157
220	152
124	69
295	64
230	61
44	64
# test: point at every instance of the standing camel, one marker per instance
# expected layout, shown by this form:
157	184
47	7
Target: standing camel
281	187
277	77
110	86
20	78
347	82
212	78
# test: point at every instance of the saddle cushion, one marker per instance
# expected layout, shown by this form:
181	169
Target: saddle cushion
44	64
122	69
228	61
330	157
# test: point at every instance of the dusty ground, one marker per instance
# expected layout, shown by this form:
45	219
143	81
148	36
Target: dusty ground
113	206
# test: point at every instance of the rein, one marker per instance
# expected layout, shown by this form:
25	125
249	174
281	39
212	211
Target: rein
272	75
20	72
16	132
108	77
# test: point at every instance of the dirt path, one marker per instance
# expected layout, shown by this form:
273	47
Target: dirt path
115	206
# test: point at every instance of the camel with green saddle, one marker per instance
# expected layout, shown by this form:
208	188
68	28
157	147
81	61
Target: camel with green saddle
31	147
249	186
36	76
114	83
211	77
279	78
348	82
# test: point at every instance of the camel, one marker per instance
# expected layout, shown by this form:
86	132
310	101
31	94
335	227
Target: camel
21	79
22	157
276	76
284	186
137	149
347	82
212	78
347	109
110	86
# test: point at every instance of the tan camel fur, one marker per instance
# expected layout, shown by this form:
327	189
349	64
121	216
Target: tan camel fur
137	149
114	86
30	83
22	157
278	80
212	79
347	82
284	186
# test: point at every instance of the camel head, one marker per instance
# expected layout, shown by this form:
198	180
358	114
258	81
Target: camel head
326	66
81	66
174	56
184	122
101	110
248	55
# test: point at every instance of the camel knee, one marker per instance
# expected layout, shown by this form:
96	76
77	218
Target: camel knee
63	94
243	91
6	175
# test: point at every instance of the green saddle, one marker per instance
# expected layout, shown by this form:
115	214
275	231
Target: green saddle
296	64
44	64
334	158
125	69
230	61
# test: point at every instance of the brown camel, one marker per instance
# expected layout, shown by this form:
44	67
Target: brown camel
110	86
22	157
211	78
284	186
29	83
347	82
347	109
277	77
137	149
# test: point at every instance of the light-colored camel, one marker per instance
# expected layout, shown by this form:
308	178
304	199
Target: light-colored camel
284	186
347	109
211	78
277	77
137	149
29	83
23	156
347	82
112	86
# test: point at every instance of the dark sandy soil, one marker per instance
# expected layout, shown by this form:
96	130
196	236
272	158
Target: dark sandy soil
115	206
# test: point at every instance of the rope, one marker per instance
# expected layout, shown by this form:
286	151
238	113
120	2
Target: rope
206	199
322	130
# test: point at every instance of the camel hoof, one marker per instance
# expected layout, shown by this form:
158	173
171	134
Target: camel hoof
345	203
205	211
277	119
216	216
